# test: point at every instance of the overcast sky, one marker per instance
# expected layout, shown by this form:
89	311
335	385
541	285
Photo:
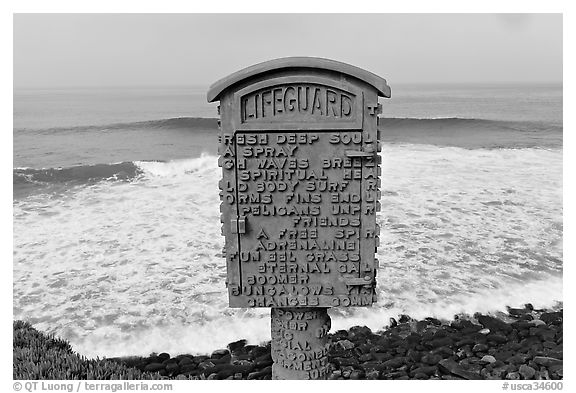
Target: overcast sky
74	50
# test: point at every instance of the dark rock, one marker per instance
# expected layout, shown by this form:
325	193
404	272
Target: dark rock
379	348
413	339
363	348
263	361
259	374
542	374
555	354
221	360
421	325
345	344
494	373
477	368
549	345
457	324
346	371
217	354
443	351
357	374
431	359
494	324
471	329
153	367
513	376
395	375
552	317
433	321
518	358
163	356
421	376
543	332
205	365
464	324
395	362
372	365
168	361
450	366
556	371
223	371
480	348
451	377
497	338
526	372
465	341
259	351
439	342
359	332
516	312
531	341
372	374
471	360
525	317
172	368
366	357
414	355
245	362
342	362
426	370
498	363
401	351
404	318
236	345
521	325
547	361
185	360
340	335
242	356
382	357
189	369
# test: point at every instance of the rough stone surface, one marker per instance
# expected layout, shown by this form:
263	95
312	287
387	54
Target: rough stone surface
395	353
526	372
488	359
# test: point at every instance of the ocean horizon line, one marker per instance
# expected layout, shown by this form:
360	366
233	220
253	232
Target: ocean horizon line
201	86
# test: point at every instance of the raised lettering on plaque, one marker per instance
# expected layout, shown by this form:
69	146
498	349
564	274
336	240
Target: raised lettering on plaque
300	187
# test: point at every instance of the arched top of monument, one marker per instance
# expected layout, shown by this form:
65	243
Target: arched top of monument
294	63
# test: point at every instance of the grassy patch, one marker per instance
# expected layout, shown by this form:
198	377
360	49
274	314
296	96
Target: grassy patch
41	356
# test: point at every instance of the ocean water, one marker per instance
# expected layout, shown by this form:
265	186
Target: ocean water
116	213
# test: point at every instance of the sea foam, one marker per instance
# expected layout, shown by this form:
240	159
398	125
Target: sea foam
131	267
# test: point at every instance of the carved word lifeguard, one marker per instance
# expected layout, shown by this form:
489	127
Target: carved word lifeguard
306	100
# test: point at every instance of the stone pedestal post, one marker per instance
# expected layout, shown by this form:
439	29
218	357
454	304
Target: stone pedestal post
300	343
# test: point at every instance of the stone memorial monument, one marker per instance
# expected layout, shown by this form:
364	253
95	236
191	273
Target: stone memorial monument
298	147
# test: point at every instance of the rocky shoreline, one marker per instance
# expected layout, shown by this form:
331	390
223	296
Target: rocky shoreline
526	344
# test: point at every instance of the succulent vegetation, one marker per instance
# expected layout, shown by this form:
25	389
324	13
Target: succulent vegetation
41	356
